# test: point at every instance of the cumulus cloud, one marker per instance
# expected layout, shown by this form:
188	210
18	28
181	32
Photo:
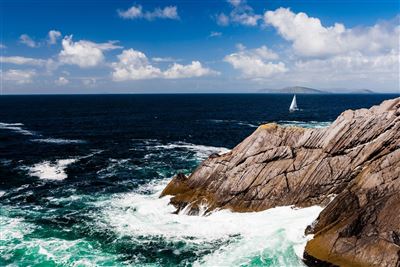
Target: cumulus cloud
61	81
256	63
18	76
241	13
134	65
28	41
136	12
310	38
53	36
195	69
17	60
367	55
353	66
84	53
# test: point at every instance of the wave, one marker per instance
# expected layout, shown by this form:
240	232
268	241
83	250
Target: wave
15	127
223	238
201	151
305	124
237	122
58	141
16	233
48	170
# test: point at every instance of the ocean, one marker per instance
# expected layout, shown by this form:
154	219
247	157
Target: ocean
80	178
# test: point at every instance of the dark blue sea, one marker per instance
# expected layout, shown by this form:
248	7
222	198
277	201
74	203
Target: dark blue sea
80	178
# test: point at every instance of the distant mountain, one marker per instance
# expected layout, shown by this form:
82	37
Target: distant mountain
307	90
293	90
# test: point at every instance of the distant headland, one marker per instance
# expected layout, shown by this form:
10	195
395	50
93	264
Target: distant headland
310	91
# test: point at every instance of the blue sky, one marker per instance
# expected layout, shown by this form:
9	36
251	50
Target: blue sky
110	46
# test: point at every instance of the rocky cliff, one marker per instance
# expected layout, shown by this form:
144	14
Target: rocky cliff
355	162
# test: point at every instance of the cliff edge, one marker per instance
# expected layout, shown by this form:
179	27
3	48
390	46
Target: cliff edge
355	161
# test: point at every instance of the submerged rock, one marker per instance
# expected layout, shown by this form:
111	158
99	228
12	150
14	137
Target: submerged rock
356	159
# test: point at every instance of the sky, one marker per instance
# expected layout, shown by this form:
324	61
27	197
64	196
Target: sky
197	46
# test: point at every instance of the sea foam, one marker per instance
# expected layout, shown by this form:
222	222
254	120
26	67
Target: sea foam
231	239
58	141
48	170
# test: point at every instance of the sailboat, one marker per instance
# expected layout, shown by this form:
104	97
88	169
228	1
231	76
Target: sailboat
293	106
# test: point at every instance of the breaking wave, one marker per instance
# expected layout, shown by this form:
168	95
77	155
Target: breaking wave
59	141
15	127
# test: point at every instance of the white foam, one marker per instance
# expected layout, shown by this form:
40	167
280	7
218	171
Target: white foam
201	151
263	235
51	170
2	193
58	141
15	236
15	127
305	124
241	123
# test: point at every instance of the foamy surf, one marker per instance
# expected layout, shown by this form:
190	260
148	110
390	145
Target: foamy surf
201	151
58	141
48	170
305	124
273	237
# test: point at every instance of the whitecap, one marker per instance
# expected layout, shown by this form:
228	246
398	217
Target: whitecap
276	234
51	170
201	151
15	236
305	124
15	127
241	123
58	141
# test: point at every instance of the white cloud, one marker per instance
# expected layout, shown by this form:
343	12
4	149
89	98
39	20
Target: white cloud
26	40
134	65
89	82
352	67
136	12
17	60
311	38
195	69
18	76
2	46
53	36
164	59
222	19
256	63
241	14
84	53
215	34
61	81
235	2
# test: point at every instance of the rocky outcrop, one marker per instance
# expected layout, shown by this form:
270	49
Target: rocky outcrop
356	161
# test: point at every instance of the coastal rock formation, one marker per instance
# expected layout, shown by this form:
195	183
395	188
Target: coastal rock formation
355	161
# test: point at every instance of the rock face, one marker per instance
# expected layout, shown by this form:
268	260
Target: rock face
356	160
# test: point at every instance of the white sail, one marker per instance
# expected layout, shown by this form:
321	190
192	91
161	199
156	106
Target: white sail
293	105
